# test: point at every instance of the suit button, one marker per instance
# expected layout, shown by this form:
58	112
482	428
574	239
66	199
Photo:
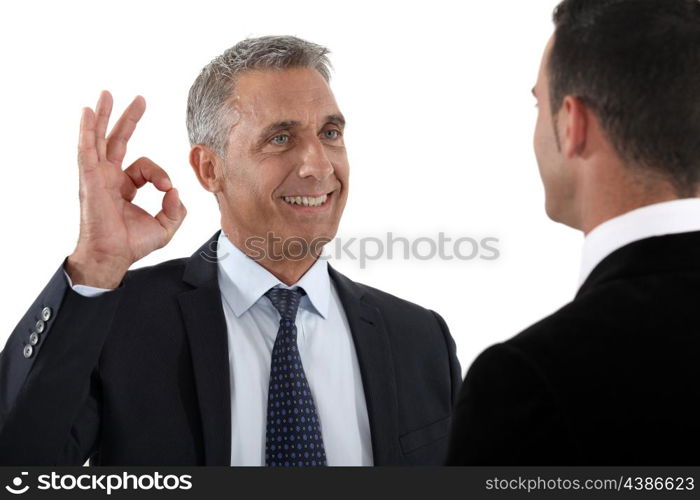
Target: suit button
46	313
39	326
28	350
34	338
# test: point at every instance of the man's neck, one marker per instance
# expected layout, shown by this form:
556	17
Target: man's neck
287	269
605	199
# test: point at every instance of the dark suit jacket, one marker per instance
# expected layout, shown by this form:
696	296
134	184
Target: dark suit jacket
612	378
140	375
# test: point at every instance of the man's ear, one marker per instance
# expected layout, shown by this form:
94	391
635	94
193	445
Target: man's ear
208	167
573	118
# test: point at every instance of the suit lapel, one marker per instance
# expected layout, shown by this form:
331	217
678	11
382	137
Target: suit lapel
205	324
376	368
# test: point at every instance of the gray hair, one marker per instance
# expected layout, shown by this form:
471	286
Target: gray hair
207	112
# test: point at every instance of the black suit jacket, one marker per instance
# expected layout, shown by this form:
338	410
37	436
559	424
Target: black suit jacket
612	378
140	375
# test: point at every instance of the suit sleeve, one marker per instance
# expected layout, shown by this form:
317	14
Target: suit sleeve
49	382
455	368
506	414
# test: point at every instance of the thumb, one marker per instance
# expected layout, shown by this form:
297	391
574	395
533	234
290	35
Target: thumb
172	214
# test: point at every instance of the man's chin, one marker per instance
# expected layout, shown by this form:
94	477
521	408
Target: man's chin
557	213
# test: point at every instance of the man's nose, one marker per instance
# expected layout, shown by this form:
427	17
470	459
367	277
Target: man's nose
315	162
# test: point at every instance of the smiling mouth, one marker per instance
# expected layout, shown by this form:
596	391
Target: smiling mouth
307	201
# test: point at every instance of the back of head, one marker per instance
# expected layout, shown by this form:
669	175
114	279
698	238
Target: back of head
636	64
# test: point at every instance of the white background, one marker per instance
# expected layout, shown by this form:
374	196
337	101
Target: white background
440	124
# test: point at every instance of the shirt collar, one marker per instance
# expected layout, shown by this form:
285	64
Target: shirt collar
669	217
243	281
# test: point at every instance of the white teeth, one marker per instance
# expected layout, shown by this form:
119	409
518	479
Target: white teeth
306	201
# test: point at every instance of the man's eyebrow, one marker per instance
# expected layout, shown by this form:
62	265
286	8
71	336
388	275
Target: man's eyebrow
337	119
289	124
533	92
276	127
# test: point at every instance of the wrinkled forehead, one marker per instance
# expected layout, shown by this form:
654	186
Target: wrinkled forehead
297	94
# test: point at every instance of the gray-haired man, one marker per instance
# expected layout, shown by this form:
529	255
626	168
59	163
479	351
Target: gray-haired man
253	351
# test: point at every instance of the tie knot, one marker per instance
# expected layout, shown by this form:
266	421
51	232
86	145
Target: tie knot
286	301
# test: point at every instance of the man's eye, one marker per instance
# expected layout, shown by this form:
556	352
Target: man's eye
331	134
280	139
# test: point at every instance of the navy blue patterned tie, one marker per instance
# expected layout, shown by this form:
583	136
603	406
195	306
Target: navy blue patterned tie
293	437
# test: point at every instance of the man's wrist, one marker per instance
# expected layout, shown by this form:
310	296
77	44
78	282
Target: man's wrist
93	272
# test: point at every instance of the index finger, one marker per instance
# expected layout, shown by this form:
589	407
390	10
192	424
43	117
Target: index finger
87	150
122	130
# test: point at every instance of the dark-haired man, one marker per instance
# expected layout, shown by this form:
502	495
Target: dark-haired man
612	377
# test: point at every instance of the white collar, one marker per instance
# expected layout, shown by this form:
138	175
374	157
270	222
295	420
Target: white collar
669	217
243	281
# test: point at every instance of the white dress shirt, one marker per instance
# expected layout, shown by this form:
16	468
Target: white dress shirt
669	217
325	345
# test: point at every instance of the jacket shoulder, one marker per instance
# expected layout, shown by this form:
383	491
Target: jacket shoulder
390	302
162	276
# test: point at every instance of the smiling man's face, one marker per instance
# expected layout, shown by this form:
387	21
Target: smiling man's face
286	169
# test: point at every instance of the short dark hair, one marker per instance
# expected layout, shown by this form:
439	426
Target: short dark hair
636	64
